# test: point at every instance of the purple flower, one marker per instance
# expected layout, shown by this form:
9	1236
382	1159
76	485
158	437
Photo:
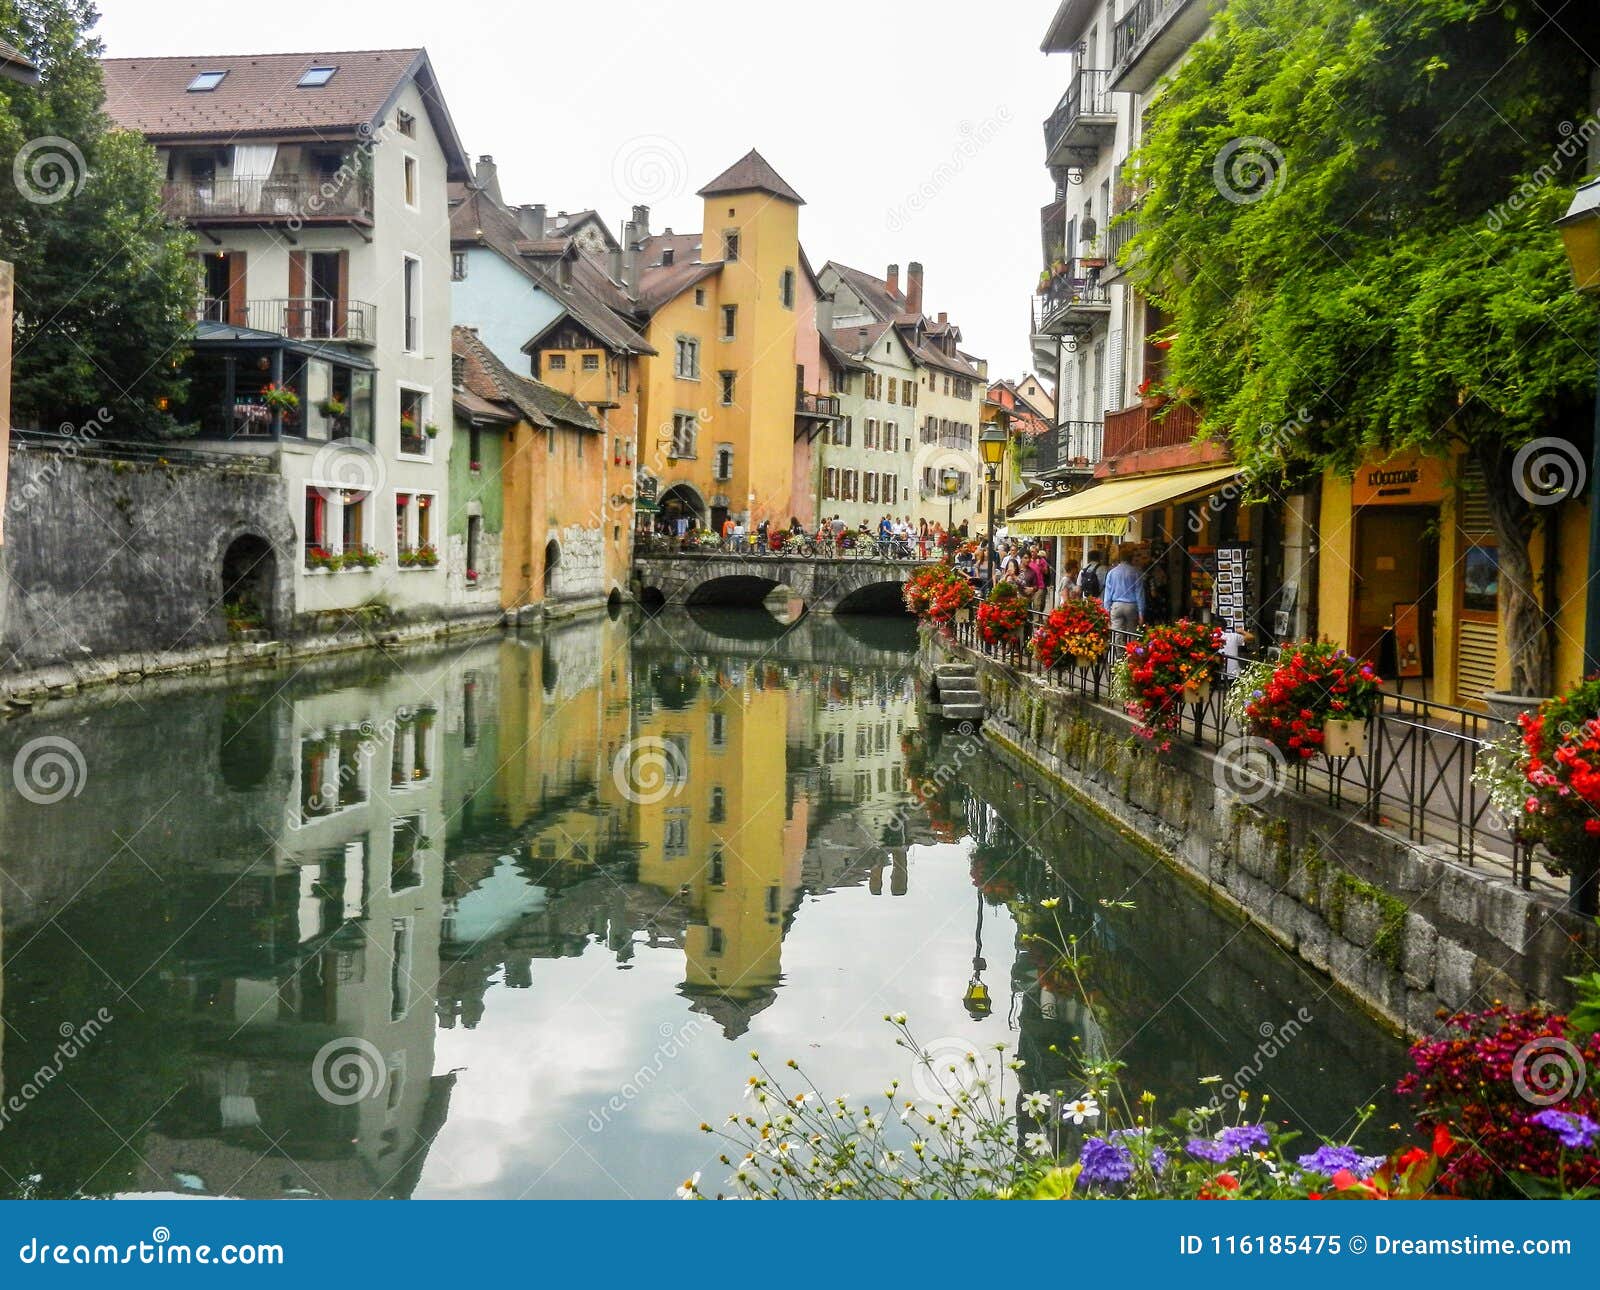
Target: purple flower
1244	1138
1575	1131
1209	1149
1329	1160
1158	1157
1104	1162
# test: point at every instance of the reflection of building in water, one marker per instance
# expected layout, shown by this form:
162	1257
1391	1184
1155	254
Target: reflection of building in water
311	970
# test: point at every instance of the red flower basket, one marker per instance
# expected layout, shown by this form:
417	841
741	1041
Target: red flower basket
1079	631
1172	666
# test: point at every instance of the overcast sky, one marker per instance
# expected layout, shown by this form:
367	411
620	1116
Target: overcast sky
911	129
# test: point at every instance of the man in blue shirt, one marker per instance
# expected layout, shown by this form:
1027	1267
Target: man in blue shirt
1124	591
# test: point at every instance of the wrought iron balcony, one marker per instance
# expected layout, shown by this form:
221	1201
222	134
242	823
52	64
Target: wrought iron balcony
816	405
300	317
1073	297
1083	122
1150	37
306	199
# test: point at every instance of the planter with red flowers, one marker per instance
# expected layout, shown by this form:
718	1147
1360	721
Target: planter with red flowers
1168	669
1544	776
1079	631
318	557
1151	394
937	594
1319	698
1003	617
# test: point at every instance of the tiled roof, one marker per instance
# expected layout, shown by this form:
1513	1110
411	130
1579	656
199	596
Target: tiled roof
885	305
851	341
16	65
599	305
927	355
486	377
752	174
658	286
685	248
260	96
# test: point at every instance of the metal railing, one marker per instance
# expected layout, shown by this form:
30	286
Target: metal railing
299	317
1088	95
278	197
816	405
1414	778
1140	22
1078	290
854	546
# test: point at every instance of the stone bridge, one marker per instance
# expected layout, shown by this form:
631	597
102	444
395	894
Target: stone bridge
826	585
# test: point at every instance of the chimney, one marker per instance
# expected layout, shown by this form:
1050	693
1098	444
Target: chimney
641	217
487	176
531	220
944	318
893	279
614	265
632	237
914	288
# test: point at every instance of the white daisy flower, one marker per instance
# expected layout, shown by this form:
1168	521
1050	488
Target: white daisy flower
1036	1103
689	1188
1037	1144
1084	1108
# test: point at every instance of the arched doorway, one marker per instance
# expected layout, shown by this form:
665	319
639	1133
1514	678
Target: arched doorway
249	584
682	502
552	561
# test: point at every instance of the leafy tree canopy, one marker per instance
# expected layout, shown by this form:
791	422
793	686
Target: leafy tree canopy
104	282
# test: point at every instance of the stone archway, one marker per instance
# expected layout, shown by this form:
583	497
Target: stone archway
684	500
249	585
552	562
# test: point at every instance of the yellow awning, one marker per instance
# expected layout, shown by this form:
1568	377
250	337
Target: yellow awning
1103	510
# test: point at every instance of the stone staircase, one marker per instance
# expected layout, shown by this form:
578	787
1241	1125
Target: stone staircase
956	690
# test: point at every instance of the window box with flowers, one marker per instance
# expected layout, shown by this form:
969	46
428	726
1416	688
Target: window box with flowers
1317	699
1171	667
320	558
419	557
360	557
1152	394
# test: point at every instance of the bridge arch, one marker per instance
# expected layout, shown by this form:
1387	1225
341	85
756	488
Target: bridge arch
883	597
749	590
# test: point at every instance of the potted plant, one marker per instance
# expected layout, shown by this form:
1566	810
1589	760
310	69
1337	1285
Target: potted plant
1003	616
280	399
424	556
1551	760
334	408
360	557
431	430
1170	667
1319	698
319	557
1151	394
1079	630
939	595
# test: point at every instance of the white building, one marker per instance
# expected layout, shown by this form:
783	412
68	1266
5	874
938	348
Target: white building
317	186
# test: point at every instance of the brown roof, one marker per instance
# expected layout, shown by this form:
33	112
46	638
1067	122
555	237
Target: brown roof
17	66
658	286
486	377
260	96
851	341
885	305
597	303
752	174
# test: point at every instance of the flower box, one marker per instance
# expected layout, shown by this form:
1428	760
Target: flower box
1197	692
1344	737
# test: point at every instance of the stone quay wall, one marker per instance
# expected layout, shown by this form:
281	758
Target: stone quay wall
1404	928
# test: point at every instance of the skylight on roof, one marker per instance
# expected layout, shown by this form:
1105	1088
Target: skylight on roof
206	81
314	76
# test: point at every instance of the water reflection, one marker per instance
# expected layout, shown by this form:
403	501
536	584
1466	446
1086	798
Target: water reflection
419	927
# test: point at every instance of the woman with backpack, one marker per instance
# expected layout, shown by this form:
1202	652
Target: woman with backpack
1092	581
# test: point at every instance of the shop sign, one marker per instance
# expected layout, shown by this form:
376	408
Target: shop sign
1408	479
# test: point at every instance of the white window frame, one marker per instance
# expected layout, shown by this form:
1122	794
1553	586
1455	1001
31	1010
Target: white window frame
417	260
332	522
409	161
426	391
413	524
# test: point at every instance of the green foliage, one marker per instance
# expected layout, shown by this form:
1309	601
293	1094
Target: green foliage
104	282
1347	208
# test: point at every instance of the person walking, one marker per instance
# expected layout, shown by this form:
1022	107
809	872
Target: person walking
1092	578
1039	567
1124	591
1069	590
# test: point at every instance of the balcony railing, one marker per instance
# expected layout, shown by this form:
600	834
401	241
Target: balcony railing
1118	235
1077	292
1083	115
816	405
1145	24
1139	429
307	198
301	317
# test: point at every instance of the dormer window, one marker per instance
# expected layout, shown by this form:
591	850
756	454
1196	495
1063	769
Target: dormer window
406	124
315	76
206	81
666	256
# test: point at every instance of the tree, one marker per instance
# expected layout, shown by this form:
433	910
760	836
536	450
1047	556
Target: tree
105	283
1348	212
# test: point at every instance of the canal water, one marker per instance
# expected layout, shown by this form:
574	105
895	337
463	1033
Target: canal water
505	920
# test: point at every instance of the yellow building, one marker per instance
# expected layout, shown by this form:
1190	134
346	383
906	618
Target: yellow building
1408	573
717	399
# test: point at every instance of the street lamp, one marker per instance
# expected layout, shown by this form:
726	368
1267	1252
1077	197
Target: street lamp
1580	231
992	442
950	481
